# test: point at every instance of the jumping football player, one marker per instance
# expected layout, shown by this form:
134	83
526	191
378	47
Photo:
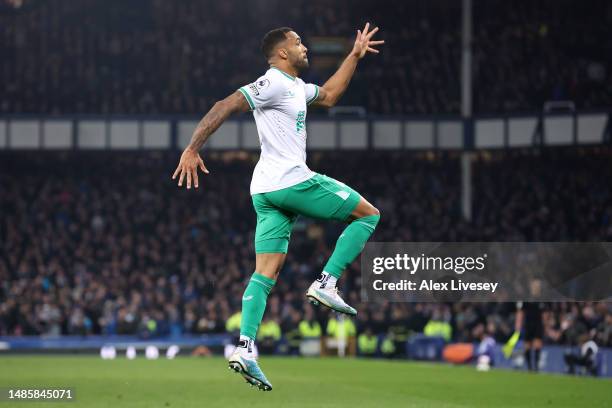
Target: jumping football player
283	186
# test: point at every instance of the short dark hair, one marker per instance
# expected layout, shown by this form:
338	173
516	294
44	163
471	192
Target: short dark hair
272	39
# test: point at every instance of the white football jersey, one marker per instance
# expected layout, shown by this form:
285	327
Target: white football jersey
279	102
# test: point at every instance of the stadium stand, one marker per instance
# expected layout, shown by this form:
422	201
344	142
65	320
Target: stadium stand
105	243
163	57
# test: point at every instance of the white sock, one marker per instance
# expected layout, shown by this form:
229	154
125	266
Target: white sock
245	346
327	280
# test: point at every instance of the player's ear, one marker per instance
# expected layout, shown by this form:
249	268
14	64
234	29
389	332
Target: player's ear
282	52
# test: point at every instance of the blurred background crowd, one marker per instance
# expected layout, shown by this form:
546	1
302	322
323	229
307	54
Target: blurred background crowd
162	57
105	243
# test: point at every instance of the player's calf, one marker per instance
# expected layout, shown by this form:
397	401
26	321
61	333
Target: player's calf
348	247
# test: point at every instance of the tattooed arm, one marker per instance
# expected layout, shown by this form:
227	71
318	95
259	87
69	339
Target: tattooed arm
190	159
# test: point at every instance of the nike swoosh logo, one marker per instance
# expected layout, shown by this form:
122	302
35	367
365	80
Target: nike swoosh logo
247	297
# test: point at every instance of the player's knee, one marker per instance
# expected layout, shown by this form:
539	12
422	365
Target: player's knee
270	264
371	217
370	211
270	273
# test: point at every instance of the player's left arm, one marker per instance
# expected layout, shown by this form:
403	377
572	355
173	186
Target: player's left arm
330	93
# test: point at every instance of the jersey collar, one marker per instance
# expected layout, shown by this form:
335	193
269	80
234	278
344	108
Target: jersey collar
284	73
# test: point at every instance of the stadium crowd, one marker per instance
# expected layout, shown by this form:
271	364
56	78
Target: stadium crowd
105	243
164	57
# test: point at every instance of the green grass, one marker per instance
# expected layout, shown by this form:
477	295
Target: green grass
192	382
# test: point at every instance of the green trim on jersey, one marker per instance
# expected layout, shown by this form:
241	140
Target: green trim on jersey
316	95
319	197
248	98
284	73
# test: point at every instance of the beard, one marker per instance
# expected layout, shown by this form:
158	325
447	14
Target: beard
301	64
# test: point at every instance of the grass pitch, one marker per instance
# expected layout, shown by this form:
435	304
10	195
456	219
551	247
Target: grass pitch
192	382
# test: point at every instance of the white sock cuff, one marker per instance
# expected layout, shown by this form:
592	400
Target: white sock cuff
328	280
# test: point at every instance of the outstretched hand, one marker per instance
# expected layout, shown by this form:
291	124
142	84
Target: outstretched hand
188	166
364	43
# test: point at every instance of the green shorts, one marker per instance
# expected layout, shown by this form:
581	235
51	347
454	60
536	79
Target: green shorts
319	197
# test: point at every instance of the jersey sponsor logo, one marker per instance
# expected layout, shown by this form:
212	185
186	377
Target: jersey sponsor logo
290	93
300	122
253	88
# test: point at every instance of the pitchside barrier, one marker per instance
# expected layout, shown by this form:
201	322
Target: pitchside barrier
97	132
120	343
418	347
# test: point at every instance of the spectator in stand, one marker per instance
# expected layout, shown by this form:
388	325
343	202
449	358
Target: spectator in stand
162	57
87	251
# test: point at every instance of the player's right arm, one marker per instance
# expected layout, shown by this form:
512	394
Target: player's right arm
190	159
